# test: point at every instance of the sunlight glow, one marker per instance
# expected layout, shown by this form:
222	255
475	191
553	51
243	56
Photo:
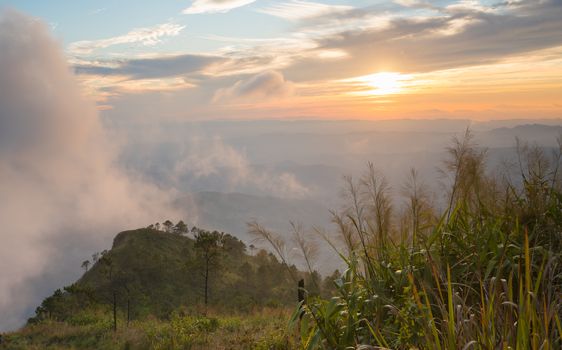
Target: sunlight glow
385	83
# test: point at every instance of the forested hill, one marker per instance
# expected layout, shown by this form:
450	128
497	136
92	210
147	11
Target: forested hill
152	272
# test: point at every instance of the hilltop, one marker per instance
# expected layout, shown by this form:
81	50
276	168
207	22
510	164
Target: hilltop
158	272
152	281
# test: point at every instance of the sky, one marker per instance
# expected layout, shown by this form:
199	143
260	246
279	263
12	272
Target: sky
255	59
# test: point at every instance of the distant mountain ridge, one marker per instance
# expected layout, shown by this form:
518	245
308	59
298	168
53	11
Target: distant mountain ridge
231	211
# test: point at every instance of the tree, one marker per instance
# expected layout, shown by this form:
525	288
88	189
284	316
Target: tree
106	262
233	246
168	226
209	247
85	265
180	228
52	307
276	242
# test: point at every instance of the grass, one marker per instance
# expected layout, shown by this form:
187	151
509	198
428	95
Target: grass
260	330
484	273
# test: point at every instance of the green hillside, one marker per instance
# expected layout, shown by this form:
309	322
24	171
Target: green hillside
157	272
151	282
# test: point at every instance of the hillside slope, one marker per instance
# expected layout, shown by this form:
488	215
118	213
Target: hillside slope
147	292
151	272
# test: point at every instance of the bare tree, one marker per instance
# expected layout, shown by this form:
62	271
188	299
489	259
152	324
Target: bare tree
308	249
277	243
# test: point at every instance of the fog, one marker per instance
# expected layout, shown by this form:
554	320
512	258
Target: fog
307	159
61	194
229	173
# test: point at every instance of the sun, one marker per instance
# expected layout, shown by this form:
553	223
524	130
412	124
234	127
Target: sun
385	83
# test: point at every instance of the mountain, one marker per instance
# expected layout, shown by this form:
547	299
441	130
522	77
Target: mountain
542	135
151	272
148	292
231	211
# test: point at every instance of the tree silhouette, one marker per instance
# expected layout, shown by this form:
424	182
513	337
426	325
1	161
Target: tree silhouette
106	262
85	265
209	248
180	228
168	225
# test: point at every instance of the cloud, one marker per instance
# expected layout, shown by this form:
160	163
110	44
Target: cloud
408	3
330	43
265	85
461	36
144	36
215	6
105	80
209	158
97	11
297	10
376	38
467	6
62	195
148	68
415	4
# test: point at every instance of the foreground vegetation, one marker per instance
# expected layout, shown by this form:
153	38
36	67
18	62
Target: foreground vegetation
484	273
263	329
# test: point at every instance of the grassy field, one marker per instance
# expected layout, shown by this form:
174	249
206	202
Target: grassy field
259	330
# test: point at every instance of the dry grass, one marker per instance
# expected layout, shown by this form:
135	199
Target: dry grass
262	329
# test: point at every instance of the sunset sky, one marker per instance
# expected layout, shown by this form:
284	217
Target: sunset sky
252	59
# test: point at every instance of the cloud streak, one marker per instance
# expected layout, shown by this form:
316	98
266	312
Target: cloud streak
148	36
297	10
147	68
265	85
215	6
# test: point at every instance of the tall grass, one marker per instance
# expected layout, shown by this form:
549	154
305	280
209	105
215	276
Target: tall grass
483	273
